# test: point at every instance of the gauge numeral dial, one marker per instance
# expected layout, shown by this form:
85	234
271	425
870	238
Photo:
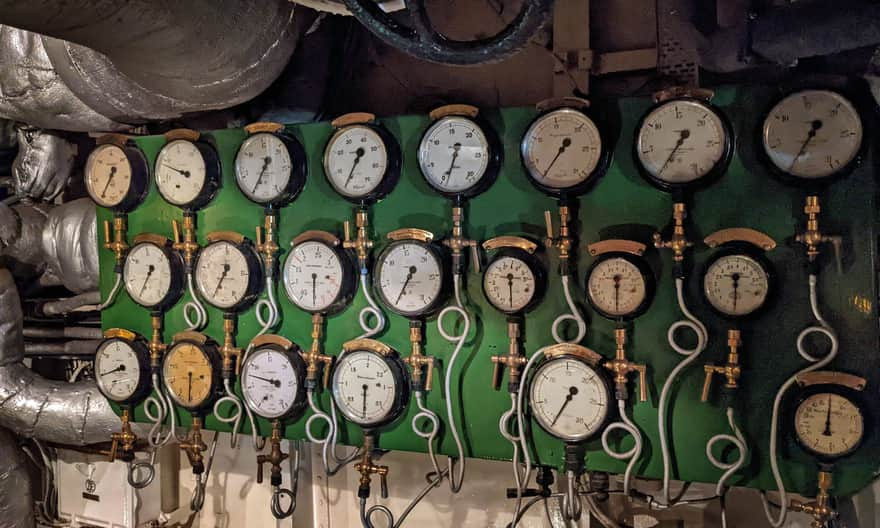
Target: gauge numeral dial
455	155
314	276
410	277
263	168
510	284
148	275
569	399
356	161
188	374
226	276
736	285
617	287
118	370
108	175
366	389
829	424
272	382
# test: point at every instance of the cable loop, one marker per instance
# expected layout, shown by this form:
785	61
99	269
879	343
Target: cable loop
632	455
574	315
200	319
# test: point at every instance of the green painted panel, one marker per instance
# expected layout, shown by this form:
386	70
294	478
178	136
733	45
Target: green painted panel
621	204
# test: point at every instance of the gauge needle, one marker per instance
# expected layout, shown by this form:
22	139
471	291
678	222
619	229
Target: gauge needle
359	153
222	276
314	286
189	385
266	161
364	408
735	278
409	276
276	383
617	293
568	397
814	127
510	287
150	271
448	174
684	135
117	369
565	144
109	179
827	431
185	173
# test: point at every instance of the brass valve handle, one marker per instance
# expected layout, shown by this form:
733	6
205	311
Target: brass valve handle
730	370
366	468
457	242
157	346
820	509
266	245
417	359
187	245
229	352
679	242
314	358
117	243
274	458
362	244
124	438
620	366
194	447
812	238
563	242
514	361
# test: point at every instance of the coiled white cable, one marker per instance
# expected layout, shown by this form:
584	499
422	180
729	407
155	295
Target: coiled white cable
165	407
738	441
817	362
194	305
574	315
691	354
430	434
113	292
625	424
371	310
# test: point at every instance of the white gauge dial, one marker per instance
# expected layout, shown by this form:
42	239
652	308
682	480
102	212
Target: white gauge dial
147	274
313	276
829	424
509	284
562	149
410	278
263	168
355	161
681	141
617	287
117	369
269	383
364	387
812	134
181	172
222	274
569	399
108	175
454	154
736	285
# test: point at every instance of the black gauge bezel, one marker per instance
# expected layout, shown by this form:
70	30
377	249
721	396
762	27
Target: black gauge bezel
442	258
493	165
707	179
582	187
348	288
178	274
747	250
534	264
139	185
605	383
401	384
858	400
647	275
142	352
255	275
298	170
212	176
389	178
209	348
299	369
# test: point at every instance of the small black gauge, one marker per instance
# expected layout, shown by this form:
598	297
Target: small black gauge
153	273
514	281
620	283
191	371
829	421
273	378
187	171
270	166
361	159
122	367
412	273
117	175
319	277
738	280
228	272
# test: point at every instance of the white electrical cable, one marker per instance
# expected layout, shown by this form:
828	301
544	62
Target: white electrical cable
518	477
195	305
691	354
738	441
633	454
235	417
113	292
428	435
574	315
817	362
164	408
371	310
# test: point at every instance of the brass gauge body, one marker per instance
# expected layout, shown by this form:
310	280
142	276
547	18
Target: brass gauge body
117	176
190	371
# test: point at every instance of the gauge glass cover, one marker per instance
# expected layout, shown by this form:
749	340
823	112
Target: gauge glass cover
270	383
222	274
108	175
617	287
188	375
263	168
562	149
410	277
454	154
736	285
147	274
365	388
509	283
313	276
829	424
117	370
569	398
180	172
355	161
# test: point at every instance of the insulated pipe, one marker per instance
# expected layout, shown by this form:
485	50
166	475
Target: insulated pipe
65	332
73	348
16	502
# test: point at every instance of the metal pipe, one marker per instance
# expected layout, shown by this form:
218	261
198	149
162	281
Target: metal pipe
66	332
16	502
74	348
169	478
63	306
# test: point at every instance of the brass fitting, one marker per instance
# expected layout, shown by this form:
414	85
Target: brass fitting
514	361
367	468
362	243
820	509
194	447
124	438
117	244
266	245
563	242
188	246
731	370
679	242
230	354
275	457
457	242
417	359
314	358
621	367
812	238
157	346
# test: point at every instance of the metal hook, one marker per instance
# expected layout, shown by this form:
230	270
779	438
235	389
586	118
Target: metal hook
149	467
571	502
277	511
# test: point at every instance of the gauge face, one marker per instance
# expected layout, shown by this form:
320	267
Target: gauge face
271	383
409	278
569	399
147	274
313	276
108	175
455	155
188	375
829	424
562	149
223	274
356	160
510	284
366	388
812	134
616	287
181	173
681	141
118	370
736	285
263	168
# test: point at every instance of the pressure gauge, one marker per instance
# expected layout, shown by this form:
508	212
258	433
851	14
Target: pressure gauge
362	161
187	173
153	274
117	176
620	284
270	168
458	158
683	142
563	152
570	398
829	420
813	134
190	371
228	272
370	384
515	280
411	273
122	366
273	378
737	283
318	276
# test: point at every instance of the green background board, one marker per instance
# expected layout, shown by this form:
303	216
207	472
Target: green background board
621	204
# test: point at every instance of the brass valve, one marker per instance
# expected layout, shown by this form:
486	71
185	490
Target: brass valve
457	242
362	243
563	242
812	238
124	438
266	245
418	360
314	358
117	244
621	367
820	509
188	246
514	361
157	346
731	370
367	468
194	447
229	352
679	242
275	457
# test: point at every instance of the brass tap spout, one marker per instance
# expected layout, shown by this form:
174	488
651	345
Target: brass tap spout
187	245
194	447
417	360
157	346
621	367
362	243
457	242
731	370
314	358
514	361
266	245
813	238
563	242
124	439
117	243
820	509
274	458
679	242
229	352
367	468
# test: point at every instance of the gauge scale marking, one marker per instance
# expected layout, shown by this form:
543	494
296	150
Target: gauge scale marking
188	374
562	150
736	285
366	389
829	424
356	161
226	276
569	399
272	383
148	275
510	284
181	173
119	370
263	168
617	287
455	156
410	277
314	277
